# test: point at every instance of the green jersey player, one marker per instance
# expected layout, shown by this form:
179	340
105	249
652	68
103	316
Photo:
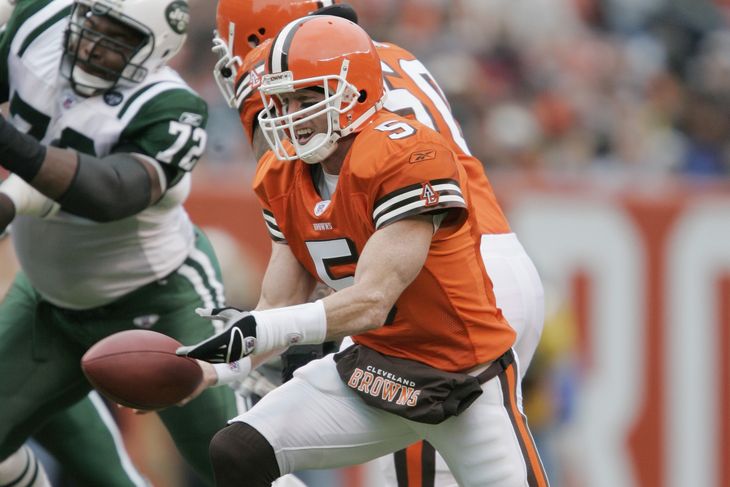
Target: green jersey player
99	125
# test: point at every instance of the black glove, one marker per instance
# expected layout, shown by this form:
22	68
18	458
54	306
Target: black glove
236	341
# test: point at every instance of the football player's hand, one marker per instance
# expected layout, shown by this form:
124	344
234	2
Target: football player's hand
210	377
236	341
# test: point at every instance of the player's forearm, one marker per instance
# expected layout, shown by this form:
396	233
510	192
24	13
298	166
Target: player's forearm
355	310
115	187
56	172
101	190
348	312
390	261
286	282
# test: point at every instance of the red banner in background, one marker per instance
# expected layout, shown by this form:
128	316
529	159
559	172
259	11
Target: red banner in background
643	268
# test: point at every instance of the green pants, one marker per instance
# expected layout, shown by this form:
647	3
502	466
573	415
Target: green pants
41	347
85	440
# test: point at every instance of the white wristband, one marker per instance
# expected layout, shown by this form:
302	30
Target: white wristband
28	200
304	324
233	372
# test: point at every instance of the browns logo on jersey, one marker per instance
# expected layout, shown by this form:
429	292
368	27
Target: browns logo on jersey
447	317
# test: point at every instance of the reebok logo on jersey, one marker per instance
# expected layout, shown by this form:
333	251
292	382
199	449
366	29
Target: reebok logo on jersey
429	196
423	155
194	119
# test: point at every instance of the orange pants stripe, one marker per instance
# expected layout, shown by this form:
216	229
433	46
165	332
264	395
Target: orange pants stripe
416	465
536	476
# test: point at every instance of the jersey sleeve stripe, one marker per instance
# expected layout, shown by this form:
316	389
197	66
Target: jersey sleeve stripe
274	231
408	194
136	101
29	29
414	186
419	207
244	90
60	16
132	98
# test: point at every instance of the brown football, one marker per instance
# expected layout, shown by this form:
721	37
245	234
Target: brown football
139	369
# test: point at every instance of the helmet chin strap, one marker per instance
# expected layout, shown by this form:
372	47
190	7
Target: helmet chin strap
325	149
87	84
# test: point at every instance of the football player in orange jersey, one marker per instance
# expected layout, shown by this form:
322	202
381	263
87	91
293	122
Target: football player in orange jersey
375	206
247	26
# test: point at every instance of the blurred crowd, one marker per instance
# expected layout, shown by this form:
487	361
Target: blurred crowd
639	86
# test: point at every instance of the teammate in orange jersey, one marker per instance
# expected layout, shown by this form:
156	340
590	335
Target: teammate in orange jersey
414	93
375	206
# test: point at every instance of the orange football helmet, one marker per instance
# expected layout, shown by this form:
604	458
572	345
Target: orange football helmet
242	25
338	59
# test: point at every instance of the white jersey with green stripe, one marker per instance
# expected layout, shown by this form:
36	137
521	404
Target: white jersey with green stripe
74	262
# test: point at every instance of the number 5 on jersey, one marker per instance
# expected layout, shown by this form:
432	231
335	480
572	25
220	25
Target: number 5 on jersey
327	254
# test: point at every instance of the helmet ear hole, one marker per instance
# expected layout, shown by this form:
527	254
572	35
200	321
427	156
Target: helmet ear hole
262	30
363	96
253	40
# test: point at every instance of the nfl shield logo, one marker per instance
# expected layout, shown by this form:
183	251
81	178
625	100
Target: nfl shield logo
320	207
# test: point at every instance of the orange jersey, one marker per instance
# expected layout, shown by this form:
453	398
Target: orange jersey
396	168
411	92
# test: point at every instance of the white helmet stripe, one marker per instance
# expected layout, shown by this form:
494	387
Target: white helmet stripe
231	35
327	3
280	50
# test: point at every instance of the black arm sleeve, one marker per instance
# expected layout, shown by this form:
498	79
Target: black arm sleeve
107	189
173	174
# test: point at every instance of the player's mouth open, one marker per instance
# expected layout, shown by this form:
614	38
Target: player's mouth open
303	135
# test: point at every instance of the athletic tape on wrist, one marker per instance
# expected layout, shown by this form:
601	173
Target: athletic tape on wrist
28	200
294	325
233	372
